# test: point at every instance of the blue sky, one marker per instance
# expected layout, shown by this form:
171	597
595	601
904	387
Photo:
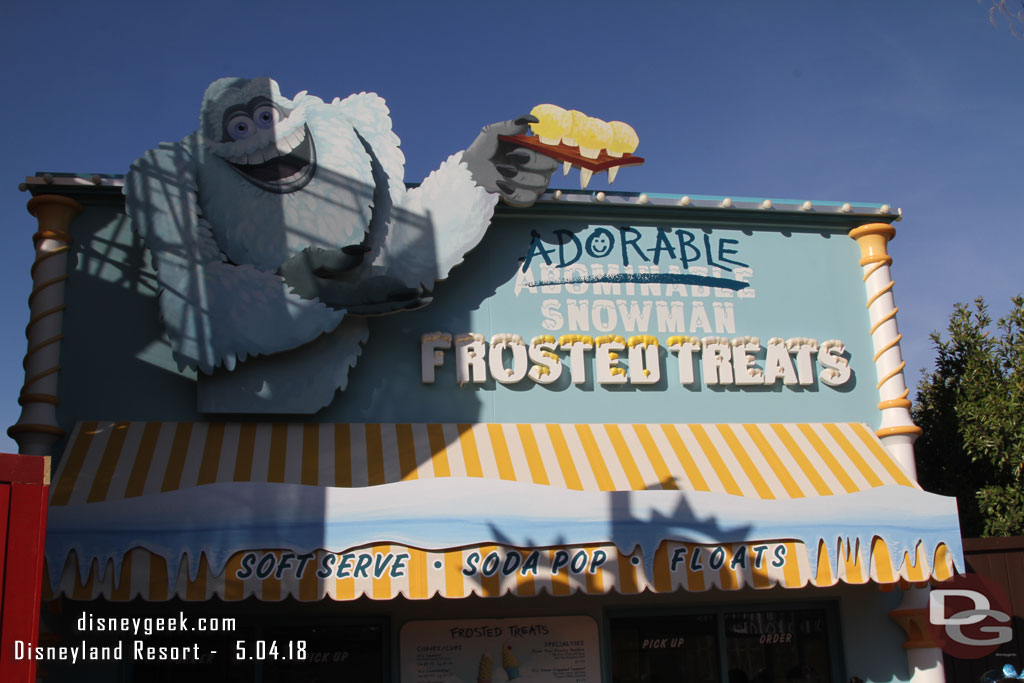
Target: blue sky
915	104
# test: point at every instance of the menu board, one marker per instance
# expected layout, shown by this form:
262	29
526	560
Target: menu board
525	650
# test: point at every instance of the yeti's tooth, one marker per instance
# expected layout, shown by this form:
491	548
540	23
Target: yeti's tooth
287	143
566	165
270	152
585	175
612	172
256	157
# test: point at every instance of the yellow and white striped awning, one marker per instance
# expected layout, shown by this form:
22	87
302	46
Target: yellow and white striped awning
107	461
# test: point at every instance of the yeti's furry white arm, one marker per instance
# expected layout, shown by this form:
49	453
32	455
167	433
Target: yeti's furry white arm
430	228
459	211
369	115
214	311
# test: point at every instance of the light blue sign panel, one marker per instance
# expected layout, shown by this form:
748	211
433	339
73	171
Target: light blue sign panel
531	278
648	280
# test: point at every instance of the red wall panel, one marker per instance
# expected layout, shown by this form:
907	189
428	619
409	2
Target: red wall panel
24	489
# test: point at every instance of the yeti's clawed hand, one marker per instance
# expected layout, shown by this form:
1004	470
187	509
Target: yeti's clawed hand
317	273
330	263
304	271
517	174
382	294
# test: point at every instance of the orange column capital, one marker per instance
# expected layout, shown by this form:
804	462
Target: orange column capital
54	214
873	239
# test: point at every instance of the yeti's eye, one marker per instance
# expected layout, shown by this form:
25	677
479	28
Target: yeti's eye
240	127
266	116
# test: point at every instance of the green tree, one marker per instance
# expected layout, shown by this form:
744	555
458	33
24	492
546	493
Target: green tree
971	409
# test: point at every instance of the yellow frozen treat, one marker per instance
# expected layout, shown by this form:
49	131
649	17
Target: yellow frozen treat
592	135
483	673
625	141
509	662
578	119
554	123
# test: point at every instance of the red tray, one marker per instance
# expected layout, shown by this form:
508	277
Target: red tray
563	152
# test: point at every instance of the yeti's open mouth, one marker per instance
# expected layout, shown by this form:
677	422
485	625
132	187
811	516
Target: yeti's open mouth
285	165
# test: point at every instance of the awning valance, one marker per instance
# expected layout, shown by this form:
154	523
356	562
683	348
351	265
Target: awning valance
342	510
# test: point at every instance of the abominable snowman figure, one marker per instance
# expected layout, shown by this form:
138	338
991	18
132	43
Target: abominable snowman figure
282	222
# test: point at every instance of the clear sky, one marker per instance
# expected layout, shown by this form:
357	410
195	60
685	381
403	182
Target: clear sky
915	104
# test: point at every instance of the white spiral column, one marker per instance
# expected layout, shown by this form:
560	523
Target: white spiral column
897	431
37	430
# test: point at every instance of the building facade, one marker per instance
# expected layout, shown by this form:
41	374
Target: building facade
632	437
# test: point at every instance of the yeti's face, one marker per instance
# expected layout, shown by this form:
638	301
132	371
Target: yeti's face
275	176
261	134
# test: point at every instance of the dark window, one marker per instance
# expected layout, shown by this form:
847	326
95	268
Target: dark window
663	649
778	646
755	646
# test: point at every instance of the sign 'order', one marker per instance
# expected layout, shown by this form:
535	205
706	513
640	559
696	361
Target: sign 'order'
612	359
